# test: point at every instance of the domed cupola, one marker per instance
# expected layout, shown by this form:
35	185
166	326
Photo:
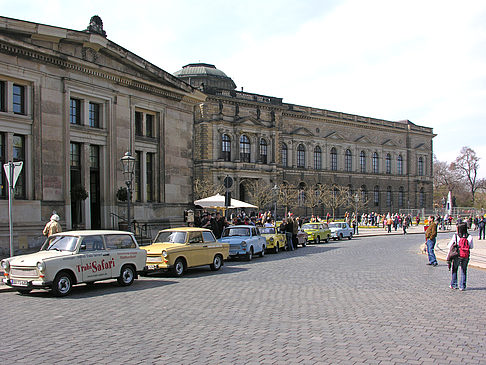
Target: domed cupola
204	76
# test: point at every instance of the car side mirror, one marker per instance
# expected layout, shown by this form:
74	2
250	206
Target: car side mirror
82	247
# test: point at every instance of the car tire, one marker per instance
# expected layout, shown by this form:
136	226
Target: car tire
24	291
263	252
179	267
350	236
327	239
249	254
217	263
276	248
318	239
127	275
340	237
62	284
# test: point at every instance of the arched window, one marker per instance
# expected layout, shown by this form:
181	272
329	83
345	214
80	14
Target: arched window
317	158
376	196
334	164
284	152
422	198
301	156
388	163
421	166
226	147
389	198
401	196
263	150
364	194
400	165
362	161
375	163
244	149
348	161
301	196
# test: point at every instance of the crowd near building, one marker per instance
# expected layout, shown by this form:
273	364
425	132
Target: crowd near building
73	102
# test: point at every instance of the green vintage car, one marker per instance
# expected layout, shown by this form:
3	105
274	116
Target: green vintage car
317	232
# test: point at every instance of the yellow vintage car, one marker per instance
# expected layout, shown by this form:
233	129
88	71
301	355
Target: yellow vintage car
275	240
178	249
317	231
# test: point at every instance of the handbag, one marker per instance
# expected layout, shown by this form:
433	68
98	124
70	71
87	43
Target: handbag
453	252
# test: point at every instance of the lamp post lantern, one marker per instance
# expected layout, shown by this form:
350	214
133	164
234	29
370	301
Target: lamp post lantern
128	164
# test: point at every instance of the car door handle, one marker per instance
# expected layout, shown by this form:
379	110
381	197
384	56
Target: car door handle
205	246
106	254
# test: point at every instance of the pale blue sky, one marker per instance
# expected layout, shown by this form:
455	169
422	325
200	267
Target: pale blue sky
419	60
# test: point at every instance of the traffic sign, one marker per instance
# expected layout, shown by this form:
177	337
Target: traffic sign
12	177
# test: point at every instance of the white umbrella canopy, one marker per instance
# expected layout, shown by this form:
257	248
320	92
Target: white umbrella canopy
217	201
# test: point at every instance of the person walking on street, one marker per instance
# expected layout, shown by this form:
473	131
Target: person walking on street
52	226
431	236
289	228
482	226
465	242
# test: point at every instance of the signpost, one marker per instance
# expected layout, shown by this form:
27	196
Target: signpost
12	170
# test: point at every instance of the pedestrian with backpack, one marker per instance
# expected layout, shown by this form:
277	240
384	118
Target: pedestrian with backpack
464	241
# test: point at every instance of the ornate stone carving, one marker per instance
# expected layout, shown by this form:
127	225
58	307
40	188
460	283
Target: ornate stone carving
96	26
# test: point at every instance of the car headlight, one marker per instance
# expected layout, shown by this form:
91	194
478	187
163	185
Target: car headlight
243	244
41	266
5	265
271	239
164	253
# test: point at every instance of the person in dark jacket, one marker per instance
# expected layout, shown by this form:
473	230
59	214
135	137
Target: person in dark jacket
482	226
289	229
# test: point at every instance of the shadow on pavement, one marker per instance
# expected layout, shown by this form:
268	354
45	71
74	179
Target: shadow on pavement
196	272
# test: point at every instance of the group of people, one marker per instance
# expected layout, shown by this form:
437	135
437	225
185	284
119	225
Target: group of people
459	246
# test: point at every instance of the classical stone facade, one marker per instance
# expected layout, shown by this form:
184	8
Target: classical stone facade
250	136
71	104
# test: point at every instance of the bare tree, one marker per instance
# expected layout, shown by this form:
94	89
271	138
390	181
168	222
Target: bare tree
467	165
334	197
204	188
288	196
313	196
261	193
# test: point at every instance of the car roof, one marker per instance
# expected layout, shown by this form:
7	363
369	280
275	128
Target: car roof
91	232
242	226
186	229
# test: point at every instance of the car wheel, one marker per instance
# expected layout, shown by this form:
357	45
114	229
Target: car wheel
276	248
263	251
304	242
249	254
340	237
327	239
62	284
179	267
127	275
24	291
350	236
318	239
217	263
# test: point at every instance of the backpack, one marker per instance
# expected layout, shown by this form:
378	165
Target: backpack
463	247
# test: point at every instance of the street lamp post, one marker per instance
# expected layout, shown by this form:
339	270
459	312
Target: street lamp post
275	189
356	199
128	163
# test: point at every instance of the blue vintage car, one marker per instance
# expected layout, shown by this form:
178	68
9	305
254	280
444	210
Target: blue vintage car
244	241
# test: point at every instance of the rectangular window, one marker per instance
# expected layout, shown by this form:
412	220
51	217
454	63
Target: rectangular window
150	177
2	97
138	124
75	156
18	99
138	180
94	157
149	125
19	155
94	115
3	180
75	111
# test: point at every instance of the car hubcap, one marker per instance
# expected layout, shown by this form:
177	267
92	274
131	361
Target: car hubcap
64	285
217	262
179	268
127	275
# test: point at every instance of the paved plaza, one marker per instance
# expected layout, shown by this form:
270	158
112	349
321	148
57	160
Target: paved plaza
369	300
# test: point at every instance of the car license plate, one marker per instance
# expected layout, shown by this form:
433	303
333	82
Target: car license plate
151	267
19	282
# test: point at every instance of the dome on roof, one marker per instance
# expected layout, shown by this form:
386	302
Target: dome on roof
205	75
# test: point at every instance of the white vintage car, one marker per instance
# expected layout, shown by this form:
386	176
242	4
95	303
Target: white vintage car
74	257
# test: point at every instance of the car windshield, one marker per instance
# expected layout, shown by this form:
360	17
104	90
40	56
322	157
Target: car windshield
171	237
60	243
334	225
310	226
232	232
267	230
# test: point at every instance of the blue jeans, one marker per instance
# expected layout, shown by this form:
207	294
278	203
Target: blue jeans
290	246
462	263
430	251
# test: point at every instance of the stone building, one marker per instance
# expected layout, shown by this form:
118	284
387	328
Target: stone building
71	104
248	136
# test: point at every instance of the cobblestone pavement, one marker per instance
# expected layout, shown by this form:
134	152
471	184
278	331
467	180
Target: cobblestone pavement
369	300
